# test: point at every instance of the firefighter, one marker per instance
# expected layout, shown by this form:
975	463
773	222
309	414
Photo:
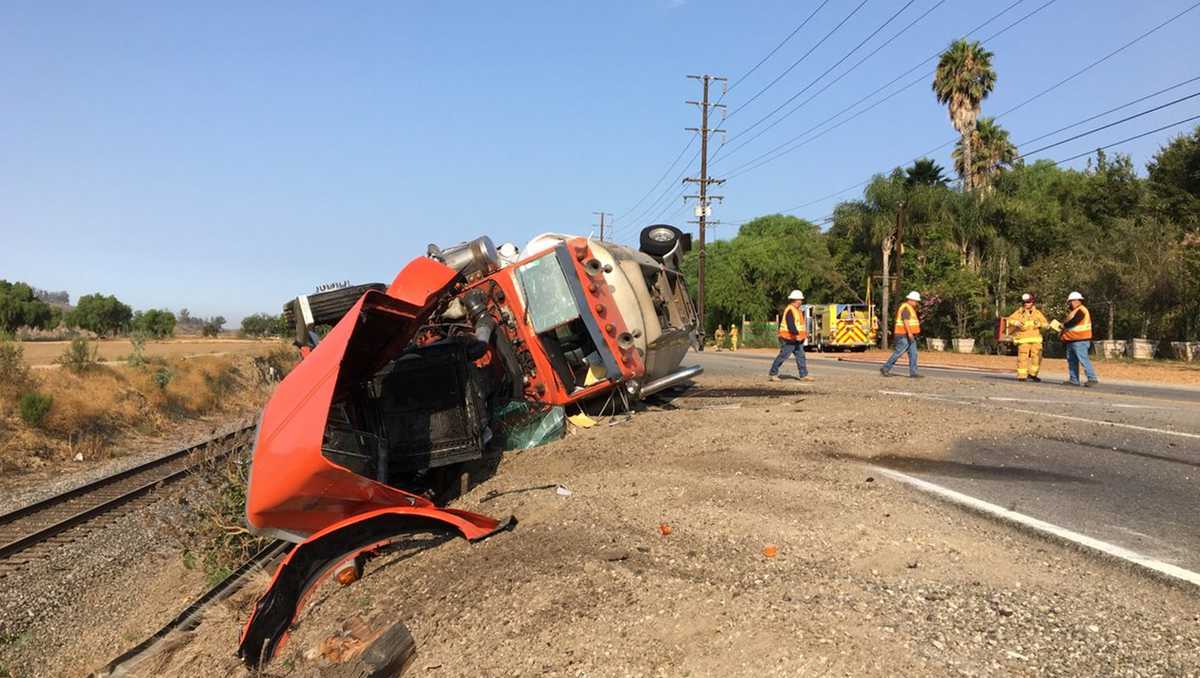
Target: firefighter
906	329
733	337
1027	323
719	337
792	332
1077	338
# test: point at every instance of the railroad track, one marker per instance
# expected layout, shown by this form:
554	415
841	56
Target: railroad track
33	532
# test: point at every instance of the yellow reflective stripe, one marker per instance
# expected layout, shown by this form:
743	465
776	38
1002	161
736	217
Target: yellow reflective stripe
1028	340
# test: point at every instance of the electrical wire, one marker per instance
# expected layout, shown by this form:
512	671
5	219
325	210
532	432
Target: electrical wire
1128	139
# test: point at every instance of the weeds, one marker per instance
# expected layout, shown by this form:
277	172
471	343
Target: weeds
34	407
221	383
80	356
15	375
213	534
137	354
163	376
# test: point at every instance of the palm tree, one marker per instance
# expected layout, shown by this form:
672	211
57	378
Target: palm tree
963	79
991	151
873	221
924	172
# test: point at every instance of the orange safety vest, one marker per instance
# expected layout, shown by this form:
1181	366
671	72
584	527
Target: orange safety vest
1082	331
912	322
798	320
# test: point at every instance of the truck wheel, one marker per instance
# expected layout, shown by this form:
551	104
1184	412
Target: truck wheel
659	239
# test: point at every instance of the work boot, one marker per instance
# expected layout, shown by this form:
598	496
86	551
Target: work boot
1091	382
884	372
773	377
807	378
1069	383
1035	379
1022	379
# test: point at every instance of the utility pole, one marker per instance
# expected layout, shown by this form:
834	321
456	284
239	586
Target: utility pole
702	198
602	215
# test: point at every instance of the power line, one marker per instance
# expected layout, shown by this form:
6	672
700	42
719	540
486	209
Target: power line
839	62
844	73
775	151
770	54
1114	109
798	61
746	167
1111	124
1128	139
660	179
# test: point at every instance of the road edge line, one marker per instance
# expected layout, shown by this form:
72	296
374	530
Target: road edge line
1159	567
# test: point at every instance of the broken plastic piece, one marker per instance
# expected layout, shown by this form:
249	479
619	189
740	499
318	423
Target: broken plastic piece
581	420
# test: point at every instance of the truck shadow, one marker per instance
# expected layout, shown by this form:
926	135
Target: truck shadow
957	469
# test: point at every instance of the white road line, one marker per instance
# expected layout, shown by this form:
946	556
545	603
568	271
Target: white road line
1045	527
1135	427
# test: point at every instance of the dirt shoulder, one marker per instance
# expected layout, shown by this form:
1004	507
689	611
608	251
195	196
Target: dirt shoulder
870	579
1152	371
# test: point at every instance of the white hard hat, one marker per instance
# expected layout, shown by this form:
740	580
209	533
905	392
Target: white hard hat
914	296
1027	297
796	294
508	249
1074	296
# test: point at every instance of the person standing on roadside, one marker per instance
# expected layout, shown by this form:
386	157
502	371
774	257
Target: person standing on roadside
793	330
1026	325
733	337
905	330
1077	338
719	337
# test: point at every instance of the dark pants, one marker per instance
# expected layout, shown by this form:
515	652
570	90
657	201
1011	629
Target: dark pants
903	345
787	348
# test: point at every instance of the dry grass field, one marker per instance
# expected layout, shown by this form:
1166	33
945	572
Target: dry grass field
43	353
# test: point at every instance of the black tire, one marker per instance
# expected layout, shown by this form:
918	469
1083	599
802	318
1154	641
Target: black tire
659	246
329	307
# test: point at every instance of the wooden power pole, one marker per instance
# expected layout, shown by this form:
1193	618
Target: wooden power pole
702	198
602	215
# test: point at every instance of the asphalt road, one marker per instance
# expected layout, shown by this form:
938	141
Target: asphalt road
1125	469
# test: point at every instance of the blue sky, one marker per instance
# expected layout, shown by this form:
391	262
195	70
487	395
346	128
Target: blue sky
227	156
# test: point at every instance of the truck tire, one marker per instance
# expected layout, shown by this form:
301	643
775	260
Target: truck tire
659	239
329	307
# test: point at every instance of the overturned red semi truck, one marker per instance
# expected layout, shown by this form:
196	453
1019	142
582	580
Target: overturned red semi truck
382	414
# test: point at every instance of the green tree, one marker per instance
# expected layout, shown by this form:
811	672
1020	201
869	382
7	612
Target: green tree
157	323
104	315
264	325
19	307
213	326
991	152
925	172
963	79
1175	179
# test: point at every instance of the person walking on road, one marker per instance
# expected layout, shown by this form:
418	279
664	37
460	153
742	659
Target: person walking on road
792	332
1026	325
1077	337
906	330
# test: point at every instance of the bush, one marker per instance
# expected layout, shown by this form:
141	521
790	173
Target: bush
14	373
163	377
80	356
34	407
137	354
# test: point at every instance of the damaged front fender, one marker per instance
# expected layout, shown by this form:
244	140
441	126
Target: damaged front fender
316	557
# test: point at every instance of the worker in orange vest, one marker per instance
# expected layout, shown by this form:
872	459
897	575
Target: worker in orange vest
906	330
1026	325
1077	337
793	331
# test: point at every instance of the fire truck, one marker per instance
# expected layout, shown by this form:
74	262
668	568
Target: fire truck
841	327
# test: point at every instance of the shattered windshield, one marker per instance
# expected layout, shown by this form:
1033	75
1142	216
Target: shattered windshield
548	298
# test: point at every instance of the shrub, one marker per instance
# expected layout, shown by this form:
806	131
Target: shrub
34	407
216	538
163	376
137	354
80	356
221	383
264	325
14	373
